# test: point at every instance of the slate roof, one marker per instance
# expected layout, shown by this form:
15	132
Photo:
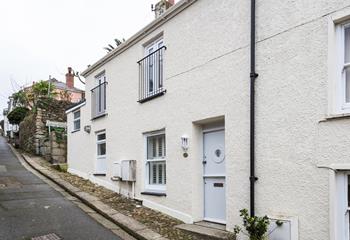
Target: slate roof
63	86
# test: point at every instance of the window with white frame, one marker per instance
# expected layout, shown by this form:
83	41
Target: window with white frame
155	162
151	72
101	163
76	120
343	206
98	96
343	68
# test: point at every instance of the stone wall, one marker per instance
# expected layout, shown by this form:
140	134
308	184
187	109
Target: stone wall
35	136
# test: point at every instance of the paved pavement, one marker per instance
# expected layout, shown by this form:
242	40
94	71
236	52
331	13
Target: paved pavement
29	207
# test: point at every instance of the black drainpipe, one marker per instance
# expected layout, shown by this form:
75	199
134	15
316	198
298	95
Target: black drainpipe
253	76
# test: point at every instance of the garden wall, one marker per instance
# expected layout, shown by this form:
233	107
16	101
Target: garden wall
34	136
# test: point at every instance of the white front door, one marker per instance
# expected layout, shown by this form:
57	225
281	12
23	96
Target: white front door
214	176
101	162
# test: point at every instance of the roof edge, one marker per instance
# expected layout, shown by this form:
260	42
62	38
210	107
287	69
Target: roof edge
75	106
169	14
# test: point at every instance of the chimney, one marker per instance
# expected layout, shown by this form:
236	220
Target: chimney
162	6
70	78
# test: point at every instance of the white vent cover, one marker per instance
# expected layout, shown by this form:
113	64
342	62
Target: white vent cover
128	170
288	230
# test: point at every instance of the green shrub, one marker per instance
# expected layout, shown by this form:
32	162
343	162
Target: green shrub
17	115
256	227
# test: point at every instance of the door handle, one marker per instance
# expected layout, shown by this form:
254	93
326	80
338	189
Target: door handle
204	162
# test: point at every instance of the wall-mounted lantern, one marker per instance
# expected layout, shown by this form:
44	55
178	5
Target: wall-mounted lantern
87	128
184	144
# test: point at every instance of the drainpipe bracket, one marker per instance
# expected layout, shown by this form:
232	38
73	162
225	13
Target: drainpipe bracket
254	75
253	178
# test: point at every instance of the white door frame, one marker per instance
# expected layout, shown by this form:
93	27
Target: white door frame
204	131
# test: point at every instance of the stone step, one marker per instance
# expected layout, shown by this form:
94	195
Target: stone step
207	231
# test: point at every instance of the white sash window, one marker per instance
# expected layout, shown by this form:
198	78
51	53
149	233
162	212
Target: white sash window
155	162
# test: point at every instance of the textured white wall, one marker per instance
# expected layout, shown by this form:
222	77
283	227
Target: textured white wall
206	76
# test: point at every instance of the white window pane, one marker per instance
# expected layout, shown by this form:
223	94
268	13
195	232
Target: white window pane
160	173
77	114
101	136
76	124
160	147
157	174
101	149
156	146
347	44
153	171
347	85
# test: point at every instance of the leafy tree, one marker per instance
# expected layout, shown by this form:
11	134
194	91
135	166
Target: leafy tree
17	115
110	47
20	98
38	90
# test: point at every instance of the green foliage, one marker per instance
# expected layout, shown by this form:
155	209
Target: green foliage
110	47
61	135
20	98
42	88
256	227
17	115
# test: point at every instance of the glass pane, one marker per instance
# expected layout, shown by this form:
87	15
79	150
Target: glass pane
157	174
77	114
347	44
101	136
160	173
101	149
156	146
76	124
347	85
153	171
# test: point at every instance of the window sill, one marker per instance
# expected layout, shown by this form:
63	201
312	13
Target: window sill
331	117
99	174
74	131
158	194
99	116
152	97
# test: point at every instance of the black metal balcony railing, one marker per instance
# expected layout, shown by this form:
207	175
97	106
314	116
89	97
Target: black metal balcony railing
98	100
151	75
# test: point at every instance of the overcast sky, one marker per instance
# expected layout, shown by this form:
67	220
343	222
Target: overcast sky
43	37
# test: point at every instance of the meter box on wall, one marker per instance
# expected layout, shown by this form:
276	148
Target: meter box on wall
128	170
287	231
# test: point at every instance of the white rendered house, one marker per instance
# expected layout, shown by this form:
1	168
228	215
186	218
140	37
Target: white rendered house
173	103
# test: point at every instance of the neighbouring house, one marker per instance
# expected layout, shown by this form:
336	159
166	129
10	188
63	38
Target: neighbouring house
10	130
65	91
43	131
167	117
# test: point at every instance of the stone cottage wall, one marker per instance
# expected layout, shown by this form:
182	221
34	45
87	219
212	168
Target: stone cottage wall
34	135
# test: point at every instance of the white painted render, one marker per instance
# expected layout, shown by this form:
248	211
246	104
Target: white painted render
206	67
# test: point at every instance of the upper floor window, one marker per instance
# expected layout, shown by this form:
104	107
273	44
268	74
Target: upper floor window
76	120
98	96
151	72
342	95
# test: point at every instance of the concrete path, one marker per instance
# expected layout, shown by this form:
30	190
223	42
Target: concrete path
29	207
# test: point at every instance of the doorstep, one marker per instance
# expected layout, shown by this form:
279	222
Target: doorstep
207	230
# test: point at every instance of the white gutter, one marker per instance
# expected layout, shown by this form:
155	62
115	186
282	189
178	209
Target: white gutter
75	107
169	14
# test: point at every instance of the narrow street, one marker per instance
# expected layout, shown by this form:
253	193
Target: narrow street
29	207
